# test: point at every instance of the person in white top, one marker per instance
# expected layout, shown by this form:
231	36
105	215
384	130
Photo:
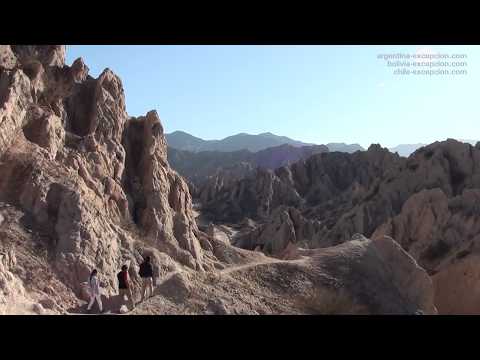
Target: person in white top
94	286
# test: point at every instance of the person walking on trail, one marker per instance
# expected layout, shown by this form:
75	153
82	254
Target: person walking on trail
125	286
94	287
146	273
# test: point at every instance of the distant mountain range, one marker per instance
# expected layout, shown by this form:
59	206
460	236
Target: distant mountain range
408	149
181	140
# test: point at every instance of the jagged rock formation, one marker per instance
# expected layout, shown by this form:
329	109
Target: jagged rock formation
220	180
351	193
428	203
161	203
254	196
320	180
64	165
285	226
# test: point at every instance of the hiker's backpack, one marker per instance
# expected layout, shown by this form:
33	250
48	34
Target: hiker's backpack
121	280
142	272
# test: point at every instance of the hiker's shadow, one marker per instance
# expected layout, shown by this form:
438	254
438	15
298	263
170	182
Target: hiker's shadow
111	305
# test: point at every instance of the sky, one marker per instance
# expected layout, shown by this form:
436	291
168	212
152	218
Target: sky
316	94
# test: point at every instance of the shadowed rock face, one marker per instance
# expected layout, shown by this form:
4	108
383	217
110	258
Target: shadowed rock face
199	168
285	226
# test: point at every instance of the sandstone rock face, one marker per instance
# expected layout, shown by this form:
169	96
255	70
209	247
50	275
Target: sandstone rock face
15	97
223	179
457	287
439	220
285	226
79	70
26	276
443	235
11	288
406	275
411	287
44	129
50	55
161	203
70	162
256	196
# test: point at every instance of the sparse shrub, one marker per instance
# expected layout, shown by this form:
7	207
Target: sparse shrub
428	154
330	302
436	250
413	166
462	254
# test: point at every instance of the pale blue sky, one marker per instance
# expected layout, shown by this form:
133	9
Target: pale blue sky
316	94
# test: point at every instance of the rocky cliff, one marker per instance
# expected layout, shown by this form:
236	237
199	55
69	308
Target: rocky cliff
90	180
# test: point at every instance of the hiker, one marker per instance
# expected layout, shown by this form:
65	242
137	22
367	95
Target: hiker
94	287
146	273
124	286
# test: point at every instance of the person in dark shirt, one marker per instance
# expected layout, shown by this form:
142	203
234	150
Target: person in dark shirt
125	286
146	273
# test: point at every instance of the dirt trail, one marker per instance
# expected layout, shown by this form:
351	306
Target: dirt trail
257	263
110	309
